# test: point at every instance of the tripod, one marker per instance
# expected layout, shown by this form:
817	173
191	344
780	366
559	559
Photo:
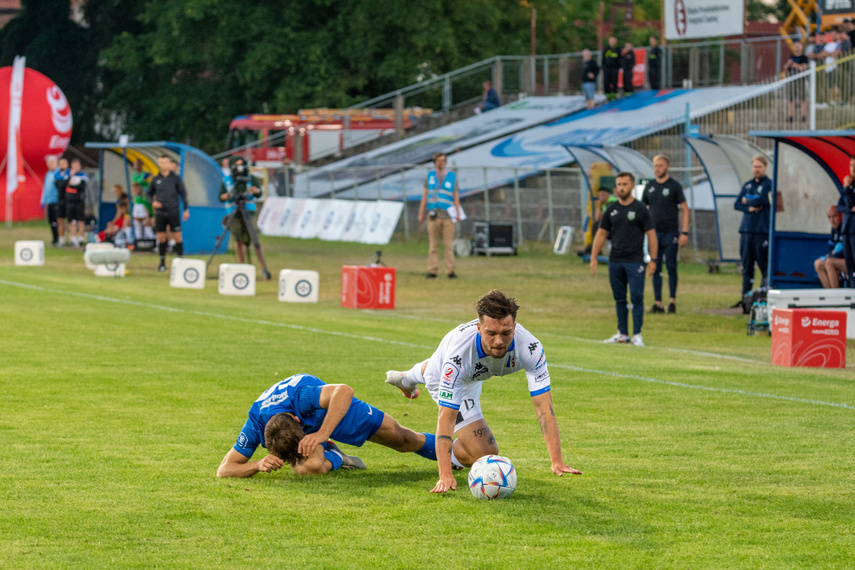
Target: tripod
250	230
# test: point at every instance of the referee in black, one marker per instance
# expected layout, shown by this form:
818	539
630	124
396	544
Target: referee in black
664	196
164	192
611	68
625	223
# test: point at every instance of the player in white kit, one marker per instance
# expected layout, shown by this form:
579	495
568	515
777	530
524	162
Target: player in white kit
492	345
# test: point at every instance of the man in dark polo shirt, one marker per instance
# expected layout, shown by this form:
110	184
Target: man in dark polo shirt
611	68
664	196
625	223
164	192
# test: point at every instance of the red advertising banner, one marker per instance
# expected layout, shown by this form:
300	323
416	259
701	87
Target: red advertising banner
367	287
45	129
809	337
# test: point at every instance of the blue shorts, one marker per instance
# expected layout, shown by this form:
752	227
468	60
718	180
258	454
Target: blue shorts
359	424
588	90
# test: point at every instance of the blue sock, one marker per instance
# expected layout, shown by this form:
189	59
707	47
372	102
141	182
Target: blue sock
428	450
333	458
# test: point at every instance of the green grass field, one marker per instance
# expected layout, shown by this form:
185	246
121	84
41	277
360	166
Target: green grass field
119	398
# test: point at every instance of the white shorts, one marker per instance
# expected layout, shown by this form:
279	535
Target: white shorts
139	211
470	408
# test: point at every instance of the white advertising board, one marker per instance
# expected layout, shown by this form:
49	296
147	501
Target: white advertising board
689	19
304	227
336	219
358	221
382	223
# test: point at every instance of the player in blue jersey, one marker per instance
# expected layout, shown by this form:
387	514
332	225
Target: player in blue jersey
295	418
492	345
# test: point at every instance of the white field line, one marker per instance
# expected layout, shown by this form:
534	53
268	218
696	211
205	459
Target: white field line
412	345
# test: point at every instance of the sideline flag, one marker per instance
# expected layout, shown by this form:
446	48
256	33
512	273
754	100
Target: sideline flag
14	158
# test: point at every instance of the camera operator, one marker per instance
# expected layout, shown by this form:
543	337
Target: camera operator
239	191
163	193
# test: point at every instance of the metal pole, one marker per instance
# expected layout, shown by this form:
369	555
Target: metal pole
721	64
404	200
688	182
545	75
486	197
549	209
446	95
812	95
517	201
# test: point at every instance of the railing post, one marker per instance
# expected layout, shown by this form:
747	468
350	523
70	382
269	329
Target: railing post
399	115
533	73
446	95
563	71
721	56
486	197
406	210
812	95
694	66
517	205
549	207
546	75
497	76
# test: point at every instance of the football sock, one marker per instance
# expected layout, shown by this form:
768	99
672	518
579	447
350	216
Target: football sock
428	450
334	458
161	248
179	249
413	376
454	460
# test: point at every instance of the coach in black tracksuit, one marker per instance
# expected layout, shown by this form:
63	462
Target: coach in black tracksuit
846	206
611	68
654	64
753	201
164	192
627	63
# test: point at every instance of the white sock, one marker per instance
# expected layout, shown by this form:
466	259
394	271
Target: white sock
454	460
414	376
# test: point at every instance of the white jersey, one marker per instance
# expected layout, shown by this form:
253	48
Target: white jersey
460	362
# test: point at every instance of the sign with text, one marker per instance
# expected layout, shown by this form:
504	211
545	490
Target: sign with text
688	19
808	337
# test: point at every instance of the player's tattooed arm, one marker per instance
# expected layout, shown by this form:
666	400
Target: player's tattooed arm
543	417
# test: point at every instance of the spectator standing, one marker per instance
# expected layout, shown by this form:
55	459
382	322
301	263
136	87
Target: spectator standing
832	264
654	64
590	70
753	202
850	30
845	43
140	176
797	63
831	51
141	213
50	196
664	197
815	50
439	199
611	67
627	63
75	204
164	192
489	100
846	206
63	173
625	223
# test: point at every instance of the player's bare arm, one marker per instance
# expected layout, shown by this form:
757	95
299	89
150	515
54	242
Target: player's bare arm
444	441
549	428
653	249
336	399
236	464
599	240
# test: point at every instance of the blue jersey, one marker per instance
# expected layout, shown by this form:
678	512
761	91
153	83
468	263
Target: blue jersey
300	395
756	194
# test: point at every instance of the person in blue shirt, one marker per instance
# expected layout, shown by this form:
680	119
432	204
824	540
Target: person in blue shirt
61	177
753	202
846	206
829	266
489	100
239	181
50	197
295	419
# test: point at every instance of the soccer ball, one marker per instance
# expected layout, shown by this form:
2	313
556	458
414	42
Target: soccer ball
492	477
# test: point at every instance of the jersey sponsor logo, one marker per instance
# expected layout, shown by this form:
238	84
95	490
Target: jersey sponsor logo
479	370
446	395
614	213
457	360
511	361
532	347
468	403
630	216
541	377
370	410
450	372
242	440
541	361
666	191
275	399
